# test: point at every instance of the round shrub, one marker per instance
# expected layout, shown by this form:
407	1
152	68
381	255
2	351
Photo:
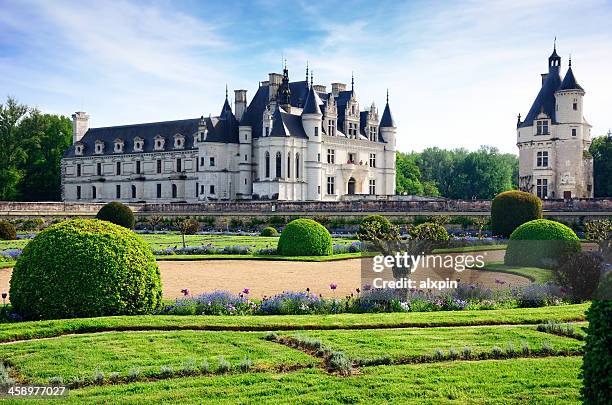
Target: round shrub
429	231
7	231
117	213
375	225
597	360
304	237
85	268
511	209
540	243
579	274
268	231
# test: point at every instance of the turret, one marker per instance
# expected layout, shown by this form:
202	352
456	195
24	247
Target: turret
387	126
311	121
80	125
569	99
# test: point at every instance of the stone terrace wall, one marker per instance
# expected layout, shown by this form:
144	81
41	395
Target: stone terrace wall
575	207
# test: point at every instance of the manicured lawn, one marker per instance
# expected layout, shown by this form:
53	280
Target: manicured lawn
4	265
535	274
414	342
339	256
551	380
81	355
27	330
475	248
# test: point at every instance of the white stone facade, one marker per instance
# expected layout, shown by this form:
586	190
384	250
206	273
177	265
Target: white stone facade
294	142
554	140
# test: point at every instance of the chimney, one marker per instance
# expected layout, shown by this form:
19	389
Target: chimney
275	80
544	76
80	125
319	88
240	103
337	88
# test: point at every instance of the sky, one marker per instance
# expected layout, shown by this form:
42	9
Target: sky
458	72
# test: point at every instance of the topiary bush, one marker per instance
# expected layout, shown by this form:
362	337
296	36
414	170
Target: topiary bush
540	243
117	213
429	231
7	231
597	360
375	226
305	237
85	268
511	209
579	274
268	231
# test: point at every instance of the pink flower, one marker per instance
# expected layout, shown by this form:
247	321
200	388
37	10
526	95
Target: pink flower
333	286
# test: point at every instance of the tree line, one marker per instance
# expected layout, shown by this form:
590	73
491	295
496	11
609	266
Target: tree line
32	145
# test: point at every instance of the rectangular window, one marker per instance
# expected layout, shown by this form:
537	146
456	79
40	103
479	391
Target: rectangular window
159	194
118	191
99	169
202	189
212	161
267	131
79	170
542	188
318	189
94	192
78	192
542	159
573	131
138	167
197	189
372	159
212	189
318	158
202	161
159	166
575	106
330	185
179	165
316	131
331	156
118	168
542	127
246	157
372	187
133	191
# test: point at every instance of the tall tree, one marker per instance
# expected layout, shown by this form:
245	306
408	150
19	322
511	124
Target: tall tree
12	152
601	149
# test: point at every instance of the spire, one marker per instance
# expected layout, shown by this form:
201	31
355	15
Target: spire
284	92
569	81
311	78
306	72
352	81
387	119
226	91
226	105
554	60
312	103
570	60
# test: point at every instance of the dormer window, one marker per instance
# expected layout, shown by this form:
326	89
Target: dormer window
118	145
78	149
99	147
138	144
179	141
159	142
542	127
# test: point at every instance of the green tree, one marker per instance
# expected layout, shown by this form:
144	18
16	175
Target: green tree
407	175
48	136
483	174
13	154
601	149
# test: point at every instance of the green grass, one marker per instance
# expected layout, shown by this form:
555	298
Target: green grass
535	274
551	380
480	248
4	265
413	342
37	329
81	355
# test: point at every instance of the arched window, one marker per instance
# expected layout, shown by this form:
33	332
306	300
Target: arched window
289	165
133	191
279	163
174	191
267	164
297	165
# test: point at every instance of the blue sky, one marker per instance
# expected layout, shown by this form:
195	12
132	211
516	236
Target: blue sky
458	72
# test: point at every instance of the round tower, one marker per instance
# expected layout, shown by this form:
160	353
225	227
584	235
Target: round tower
311	121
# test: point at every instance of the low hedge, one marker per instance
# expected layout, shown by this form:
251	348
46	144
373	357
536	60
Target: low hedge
117	213
85	268
305	237
540	243
511	209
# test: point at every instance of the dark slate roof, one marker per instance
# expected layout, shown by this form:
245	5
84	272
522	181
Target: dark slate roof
545	100
312	103
299	93
146	131
286	124
341	101
254	113
569	81
387	119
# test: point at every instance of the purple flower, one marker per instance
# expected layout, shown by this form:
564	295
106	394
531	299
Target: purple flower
246	290
367	287
333	286
185	291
